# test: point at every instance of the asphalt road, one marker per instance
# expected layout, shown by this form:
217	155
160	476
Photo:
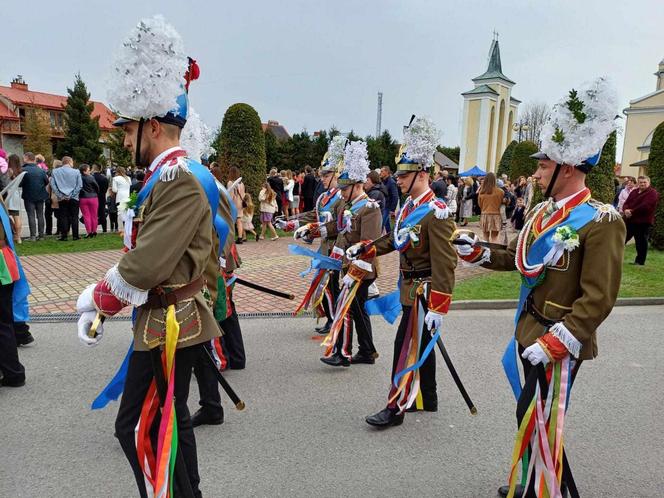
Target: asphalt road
303	433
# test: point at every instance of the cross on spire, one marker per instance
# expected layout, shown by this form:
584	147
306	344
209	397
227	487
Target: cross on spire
495	35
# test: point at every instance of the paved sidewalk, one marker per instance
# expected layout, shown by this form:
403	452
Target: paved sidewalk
57	279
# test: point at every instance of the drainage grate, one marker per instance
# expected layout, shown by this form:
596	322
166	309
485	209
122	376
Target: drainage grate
73	317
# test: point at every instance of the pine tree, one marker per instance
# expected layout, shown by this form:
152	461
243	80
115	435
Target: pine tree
601	179
656	173
119	155
242	144
38	134
521	164
81	129
504	165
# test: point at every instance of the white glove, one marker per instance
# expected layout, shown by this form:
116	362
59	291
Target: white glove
535	355
347	280
433	320
354	251
85	300
301	232
466	249
84	324
288	226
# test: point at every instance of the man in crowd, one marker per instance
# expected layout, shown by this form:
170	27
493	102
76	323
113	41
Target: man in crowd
639	213
439	185
277	184
102	181
34	195
308	187
392	199
66	184
376	190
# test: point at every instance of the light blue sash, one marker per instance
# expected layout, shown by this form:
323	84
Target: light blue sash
21	288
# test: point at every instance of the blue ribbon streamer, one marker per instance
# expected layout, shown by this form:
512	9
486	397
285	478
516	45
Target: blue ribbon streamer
579	217
388	306
21	287
319	260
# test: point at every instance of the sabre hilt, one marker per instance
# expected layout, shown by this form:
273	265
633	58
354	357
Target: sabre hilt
99	320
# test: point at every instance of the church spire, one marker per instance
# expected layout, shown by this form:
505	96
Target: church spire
494	69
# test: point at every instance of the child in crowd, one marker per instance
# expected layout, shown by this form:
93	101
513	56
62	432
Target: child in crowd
519	213
247	216
268	207
112	207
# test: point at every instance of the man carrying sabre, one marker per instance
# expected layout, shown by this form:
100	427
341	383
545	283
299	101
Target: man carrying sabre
162	275
324	288
569	254
422	236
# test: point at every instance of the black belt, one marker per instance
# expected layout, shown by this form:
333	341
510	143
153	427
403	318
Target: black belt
414	274
531	310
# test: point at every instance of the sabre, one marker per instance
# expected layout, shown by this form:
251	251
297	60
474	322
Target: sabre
267	290
239	404
453	372
489	245
281	217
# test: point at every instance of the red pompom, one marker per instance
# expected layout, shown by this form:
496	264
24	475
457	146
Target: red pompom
193	72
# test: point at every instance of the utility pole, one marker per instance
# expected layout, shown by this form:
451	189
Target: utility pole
379	114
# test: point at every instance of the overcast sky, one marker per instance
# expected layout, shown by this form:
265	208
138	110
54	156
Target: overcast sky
312	64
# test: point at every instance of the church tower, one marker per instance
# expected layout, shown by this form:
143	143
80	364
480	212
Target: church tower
489	114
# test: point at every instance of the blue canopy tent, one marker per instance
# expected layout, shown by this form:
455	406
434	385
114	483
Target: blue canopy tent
474	171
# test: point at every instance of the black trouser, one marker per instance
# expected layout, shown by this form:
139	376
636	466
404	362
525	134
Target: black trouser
530	373
208	385
35	211
333	287
308	203
101	211
358	317
10	366
69	217
640	233
113	220
428	368
48	215
139	378
231	341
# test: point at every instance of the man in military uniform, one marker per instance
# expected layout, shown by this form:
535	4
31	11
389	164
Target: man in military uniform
570	255
422	235
162	276
358	219
308	223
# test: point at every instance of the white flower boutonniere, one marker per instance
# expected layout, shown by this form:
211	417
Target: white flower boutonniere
564	239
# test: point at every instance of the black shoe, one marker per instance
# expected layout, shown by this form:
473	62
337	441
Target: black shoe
385	418
204	417
324	329
336	360
426	407
238	241
63	239
518	492
19	382
362	358
23	339
75	238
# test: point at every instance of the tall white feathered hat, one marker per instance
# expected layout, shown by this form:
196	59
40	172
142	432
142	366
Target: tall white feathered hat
151	75
356	164
196	137
579	125
333	160
420	142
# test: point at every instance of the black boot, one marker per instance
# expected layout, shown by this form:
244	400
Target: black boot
364	358
24	338
204	417
385	418
518	492
324	329
336	360
426	407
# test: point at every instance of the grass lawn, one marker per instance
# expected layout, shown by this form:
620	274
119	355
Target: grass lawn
637	281
51	245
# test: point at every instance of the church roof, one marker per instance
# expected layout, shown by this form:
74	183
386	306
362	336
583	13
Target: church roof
480	89
495	69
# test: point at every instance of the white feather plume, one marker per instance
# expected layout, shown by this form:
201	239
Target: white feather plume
581	141
356	161
196	137
421	139
335	150
148	71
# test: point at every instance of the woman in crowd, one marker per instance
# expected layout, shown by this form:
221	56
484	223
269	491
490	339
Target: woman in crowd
466	201
248	216
237	195
520	189
297	185
13	201
268	207
89	202
630	184
490	198
289	184
120	187
452	192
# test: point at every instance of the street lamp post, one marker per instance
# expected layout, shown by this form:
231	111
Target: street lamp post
520	127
